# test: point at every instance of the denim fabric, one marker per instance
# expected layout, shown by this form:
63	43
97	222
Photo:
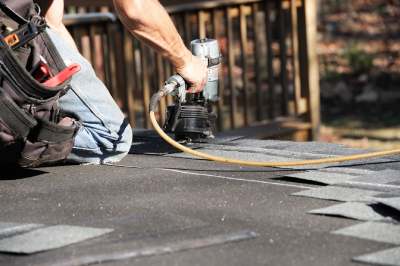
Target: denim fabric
106	135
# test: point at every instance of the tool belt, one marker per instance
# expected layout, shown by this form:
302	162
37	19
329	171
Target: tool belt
33	129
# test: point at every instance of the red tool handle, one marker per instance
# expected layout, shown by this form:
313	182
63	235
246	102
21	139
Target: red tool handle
63	76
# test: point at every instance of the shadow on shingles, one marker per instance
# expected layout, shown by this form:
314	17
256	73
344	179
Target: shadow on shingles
299	180
386	211
15	173
152	148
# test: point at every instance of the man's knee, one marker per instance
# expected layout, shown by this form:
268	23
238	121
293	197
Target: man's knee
121	147
98	147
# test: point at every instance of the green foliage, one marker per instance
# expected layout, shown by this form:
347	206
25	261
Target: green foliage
330	74
358	60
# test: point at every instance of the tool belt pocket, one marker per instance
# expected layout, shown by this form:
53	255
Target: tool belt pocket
49	143
33	129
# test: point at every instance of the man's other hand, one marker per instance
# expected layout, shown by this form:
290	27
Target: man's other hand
194	71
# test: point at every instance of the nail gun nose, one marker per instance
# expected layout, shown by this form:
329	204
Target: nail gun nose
170	87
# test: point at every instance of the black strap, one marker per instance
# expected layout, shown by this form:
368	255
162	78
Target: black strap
15	118
12	14
214	61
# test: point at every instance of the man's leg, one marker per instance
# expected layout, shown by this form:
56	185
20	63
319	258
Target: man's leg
106	136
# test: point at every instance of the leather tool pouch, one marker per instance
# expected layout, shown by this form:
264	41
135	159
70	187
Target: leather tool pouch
33	129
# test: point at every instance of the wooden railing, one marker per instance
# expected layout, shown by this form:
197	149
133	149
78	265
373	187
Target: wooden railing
269	74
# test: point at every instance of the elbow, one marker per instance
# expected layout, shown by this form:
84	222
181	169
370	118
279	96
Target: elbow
130	10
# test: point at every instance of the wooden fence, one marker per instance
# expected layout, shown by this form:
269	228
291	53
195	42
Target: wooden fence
269	79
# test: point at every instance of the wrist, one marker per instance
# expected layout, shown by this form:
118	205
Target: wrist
182	60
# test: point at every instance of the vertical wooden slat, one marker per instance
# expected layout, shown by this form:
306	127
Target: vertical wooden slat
270	61
106	57
187	26
231	64
302	52
295	56
283	58
201	18
96	50
257	63
216	25
92	37
310	21
138	92
244	49
119	65
85	43
179	22
77	35
130	74
167	74
145	84
160	83
112	60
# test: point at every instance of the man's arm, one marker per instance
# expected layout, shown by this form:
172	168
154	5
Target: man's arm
53	11
149	22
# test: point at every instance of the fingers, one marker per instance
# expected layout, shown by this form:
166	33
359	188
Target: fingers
195	73
196	88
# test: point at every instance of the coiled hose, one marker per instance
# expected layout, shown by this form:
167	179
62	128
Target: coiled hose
163	92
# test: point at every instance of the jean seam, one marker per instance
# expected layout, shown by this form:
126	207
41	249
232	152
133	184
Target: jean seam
92	108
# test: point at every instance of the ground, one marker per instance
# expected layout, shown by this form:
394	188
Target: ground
359	50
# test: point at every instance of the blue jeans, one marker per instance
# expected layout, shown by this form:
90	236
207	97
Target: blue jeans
106	135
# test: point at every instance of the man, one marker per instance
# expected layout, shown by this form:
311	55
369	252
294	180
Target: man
106	136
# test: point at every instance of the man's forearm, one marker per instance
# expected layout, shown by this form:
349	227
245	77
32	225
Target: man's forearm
148	21
54	11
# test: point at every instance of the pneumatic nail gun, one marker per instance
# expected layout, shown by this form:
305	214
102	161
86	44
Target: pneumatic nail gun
191	118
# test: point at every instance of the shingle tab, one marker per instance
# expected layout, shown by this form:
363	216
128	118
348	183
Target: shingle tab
49	238
10	229
384	180
353	210
348	170
381	232
388	257
338	194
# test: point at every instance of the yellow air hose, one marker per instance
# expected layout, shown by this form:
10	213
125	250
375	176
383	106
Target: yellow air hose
153	105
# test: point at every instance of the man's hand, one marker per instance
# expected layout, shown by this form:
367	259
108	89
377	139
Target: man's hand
194	72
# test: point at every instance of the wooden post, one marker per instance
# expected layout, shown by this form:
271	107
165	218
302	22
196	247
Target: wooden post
257	57
201	20
309	24
244	49
231	65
